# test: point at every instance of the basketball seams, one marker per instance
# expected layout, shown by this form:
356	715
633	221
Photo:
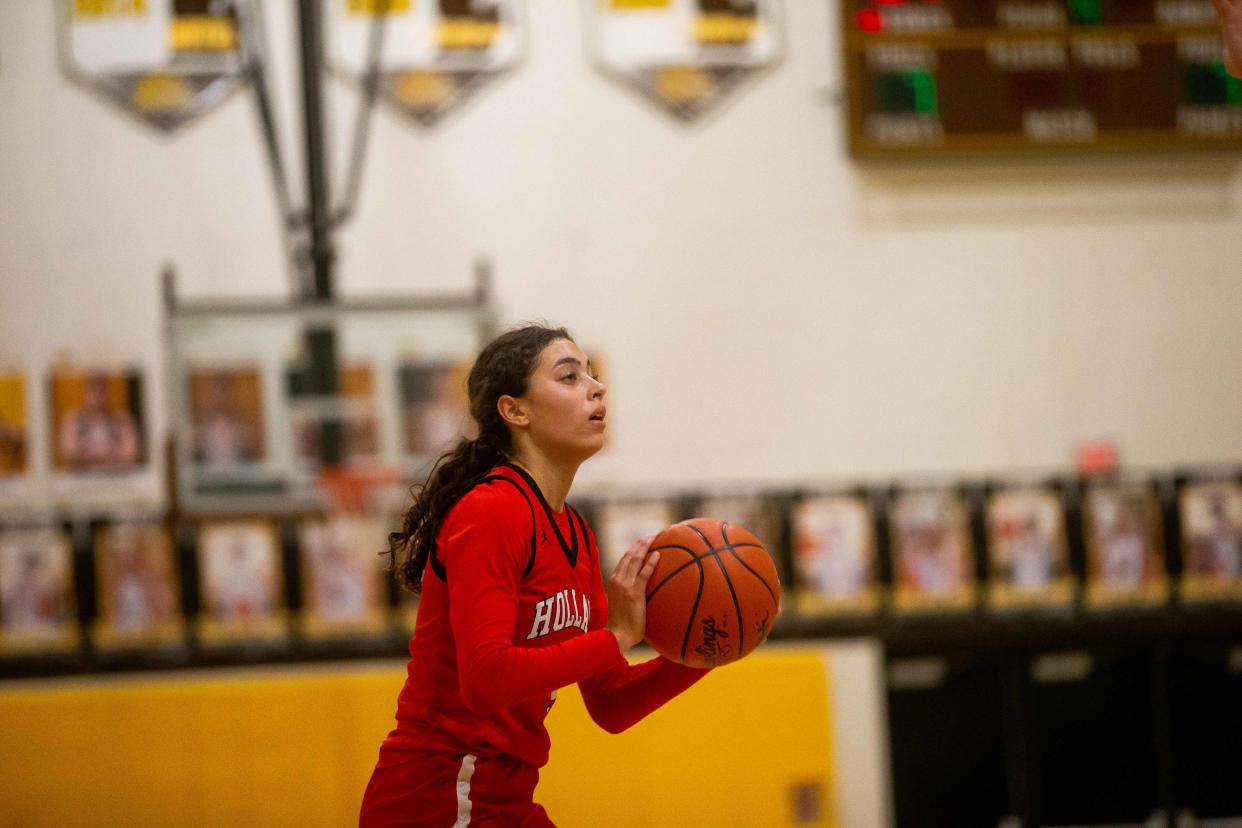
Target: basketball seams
685	643
737	606
760	578
687	564
662	547
724	533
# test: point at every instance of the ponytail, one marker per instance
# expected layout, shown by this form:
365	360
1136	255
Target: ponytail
503	367
454	474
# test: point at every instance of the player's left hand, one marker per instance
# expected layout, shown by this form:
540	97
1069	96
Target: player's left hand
627	593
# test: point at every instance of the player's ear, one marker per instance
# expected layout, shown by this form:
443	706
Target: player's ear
512	411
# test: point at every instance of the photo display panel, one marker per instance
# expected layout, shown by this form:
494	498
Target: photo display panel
834	550
37	609
1028	562
97	422
933	556
1211	537
343	587
240	582
1125	548
137	586
974	77
247	421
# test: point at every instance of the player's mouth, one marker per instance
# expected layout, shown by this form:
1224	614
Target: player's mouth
598	416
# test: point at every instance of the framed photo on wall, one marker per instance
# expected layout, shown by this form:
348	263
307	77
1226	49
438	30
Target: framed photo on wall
14	425
1028	562
933	555
137	586
240	581
226	421
1211	535
97	421
343	579
37	608
435	410
622	522
1125	551
834	555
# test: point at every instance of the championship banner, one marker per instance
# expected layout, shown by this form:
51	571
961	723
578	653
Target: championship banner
686	55
166	61
433	54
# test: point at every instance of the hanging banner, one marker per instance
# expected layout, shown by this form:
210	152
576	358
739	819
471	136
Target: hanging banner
167	61
434	54
686	55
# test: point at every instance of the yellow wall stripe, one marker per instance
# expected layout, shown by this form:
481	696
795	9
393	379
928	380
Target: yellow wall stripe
295	746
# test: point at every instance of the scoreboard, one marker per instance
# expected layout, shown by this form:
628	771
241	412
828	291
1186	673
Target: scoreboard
928	78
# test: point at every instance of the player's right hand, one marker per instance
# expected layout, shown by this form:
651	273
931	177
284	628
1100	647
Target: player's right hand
627	593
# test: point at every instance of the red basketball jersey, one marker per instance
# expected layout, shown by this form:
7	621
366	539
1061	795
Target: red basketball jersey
512	609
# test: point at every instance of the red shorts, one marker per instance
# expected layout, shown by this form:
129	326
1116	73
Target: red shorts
425	789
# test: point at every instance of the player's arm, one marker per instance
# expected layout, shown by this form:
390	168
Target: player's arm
485	552
623	695
1230	12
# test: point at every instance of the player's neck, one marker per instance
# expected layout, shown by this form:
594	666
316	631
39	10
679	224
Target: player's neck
553	479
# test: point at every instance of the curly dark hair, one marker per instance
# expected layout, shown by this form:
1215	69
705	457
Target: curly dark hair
503	367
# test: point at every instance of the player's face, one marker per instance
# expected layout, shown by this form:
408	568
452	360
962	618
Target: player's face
566	403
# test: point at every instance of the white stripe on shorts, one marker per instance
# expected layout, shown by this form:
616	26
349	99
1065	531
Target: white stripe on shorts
463	791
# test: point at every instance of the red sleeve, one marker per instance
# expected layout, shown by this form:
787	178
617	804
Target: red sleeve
484	546
627	693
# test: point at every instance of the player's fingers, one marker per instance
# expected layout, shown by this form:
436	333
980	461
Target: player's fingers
641	546
648	567
626	567
633	559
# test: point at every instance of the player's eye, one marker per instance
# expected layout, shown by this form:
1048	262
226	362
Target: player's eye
570	377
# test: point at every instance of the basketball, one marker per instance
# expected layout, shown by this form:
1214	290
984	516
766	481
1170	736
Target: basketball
714	594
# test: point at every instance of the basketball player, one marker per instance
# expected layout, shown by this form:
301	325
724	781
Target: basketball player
1230	12
513	602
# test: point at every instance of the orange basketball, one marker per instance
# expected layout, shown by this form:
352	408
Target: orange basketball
714	594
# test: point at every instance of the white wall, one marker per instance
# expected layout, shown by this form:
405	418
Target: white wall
769	310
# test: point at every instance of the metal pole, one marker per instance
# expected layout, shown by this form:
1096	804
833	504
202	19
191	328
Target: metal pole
321	378
310	30
366	106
